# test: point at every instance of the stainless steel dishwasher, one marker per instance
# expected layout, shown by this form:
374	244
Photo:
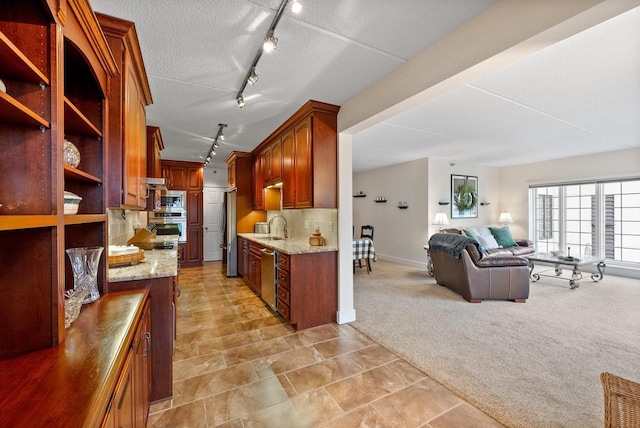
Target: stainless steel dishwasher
268	281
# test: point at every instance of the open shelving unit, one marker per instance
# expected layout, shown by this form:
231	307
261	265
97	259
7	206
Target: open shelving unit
55	87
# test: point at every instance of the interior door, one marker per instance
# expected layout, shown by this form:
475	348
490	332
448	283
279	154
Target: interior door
212	224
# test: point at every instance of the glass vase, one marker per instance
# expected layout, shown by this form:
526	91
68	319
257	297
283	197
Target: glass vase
84	262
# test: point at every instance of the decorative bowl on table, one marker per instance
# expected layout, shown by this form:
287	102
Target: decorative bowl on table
71	154
558	253
71	203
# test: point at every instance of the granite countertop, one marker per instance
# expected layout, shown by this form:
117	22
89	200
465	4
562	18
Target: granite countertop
286	246
156	264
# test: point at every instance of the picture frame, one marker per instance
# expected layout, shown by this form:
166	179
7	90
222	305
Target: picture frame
464	196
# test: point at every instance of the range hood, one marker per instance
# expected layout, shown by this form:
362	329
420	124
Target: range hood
155	183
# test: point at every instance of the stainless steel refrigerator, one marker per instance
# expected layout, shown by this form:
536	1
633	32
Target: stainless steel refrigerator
232	234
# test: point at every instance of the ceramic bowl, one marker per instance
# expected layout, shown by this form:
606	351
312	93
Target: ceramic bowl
558	253
71	203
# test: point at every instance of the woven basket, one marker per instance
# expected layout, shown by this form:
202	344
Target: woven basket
72	305
126	259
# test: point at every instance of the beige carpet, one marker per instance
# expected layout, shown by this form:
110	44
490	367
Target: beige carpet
535	364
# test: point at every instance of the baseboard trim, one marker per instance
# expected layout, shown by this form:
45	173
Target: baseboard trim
400	261
346	316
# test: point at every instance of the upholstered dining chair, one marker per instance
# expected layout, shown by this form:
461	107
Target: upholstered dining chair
621	402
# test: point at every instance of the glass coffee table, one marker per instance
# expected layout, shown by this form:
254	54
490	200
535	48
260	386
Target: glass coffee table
571	262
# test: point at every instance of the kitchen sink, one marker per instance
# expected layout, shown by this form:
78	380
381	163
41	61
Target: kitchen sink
272	238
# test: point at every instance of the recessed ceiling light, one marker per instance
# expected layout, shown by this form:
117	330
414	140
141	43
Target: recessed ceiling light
296	7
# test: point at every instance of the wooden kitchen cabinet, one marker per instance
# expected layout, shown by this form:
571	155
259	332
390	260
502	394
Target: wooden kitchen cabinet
255	267
243	257
240	166
257	179
309	160
129	95
189	177
56	75
155	145
129	406
307	296
163	294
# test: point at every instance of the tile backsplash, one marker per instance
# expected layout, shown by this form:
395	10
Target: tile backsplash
122	224
301	223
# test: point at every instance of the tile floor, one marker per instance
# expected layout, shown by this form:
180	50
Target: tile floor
238	365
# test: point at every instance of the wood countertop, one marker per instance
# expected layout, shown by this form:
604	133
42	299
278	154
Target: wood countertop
70	385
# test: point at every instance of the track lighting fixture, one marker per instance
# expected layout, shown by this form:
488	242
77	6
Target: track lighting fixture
270	43
219	136
253	77
296	6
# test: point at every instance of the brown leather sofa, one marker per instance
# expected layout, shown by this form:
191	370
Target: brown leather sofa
459	265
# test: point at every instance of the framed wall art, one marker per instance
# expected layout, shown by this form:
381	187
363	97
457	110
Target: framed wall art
464	196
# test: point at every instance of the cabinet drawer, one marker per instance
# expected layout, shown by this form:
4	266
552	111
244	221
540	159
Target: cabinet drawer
283	309
283	278
283	261
283	295
254	249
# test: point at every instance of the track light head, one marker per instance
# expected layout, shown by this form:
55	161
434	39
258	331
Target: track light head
253	77
296	7
270	43
240	101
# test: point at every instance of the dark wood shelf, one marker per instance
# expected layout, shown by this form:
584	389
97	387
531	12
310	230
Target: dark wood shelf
16	66
84	219
381	202
13	222
403	208
359	196
71	173
76	123
14	112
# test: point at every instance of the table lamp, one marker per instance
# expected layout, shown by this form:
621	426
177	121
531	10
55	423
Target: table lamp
440	220
505	218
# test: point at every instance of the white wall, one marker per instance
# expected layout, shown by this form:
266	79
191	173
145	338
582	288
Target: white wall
215	177
400	234
440	171
515	180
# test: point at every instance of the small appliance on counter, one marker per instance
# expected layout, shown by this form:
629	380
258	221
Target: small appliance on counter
261	227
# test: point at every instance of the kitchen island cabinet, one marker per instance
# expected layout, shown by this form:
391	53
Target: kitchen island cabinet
157	274
75	384
306	280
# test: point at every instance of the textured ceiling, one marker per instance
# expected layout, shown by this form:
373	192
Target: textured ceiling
579	96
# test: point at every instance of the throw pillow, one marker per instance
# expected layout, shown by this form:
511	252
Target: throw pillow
470	234
503	236
484	231
488	242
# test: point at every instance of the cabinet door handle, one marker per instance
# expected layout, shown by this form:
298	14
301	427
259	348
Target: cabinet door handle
147	337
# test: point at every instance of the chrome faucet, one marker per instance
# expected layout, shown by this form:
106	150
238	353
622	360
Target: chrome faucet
285	224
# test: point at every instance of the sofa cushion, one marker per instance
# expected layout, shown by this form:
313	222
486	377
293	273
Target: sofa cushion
503	236
488	242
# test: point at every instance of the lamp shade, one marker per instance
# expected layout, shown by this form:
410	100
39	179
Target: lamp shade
505	218
440	219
